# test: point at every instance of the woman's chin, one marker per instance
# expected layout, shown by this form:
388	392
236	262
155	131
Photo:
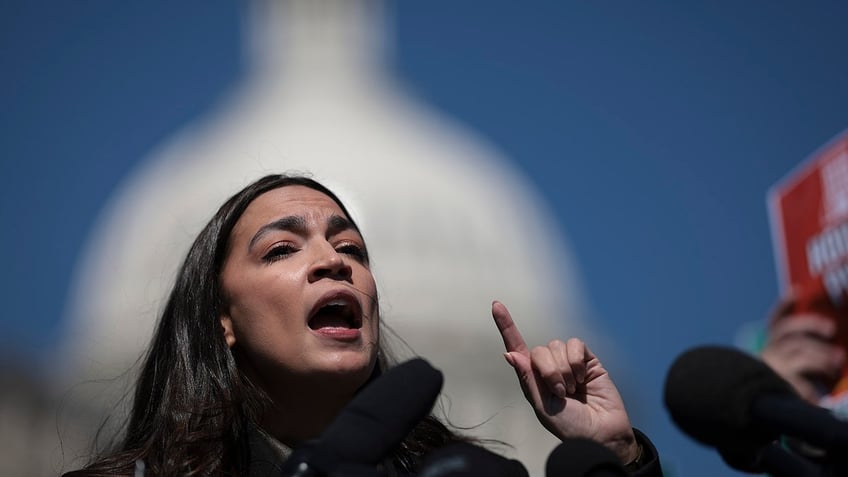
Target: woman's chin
353	368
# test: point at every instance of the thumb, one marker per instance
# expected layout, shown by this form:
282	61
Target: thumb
524	371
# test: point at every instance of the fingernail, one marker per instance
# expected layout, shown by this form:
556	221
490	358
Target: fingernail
509	359
559	390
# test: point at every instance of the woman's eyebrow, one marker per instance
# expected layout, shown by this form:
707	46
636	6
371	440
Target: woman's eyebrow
337	224
291	223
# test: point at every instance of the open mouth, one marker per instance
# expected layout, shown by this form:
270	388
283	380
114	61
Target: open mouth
337	312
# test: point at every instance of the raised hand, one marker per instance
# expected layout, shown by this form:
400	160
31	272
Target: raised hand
568	388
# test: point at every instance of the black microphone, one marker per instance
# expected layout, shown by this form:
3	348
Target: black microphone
462	459
372	425
722	396
578	457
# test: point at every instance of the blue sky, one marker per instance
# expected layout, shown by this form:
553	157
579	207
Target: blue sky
653	129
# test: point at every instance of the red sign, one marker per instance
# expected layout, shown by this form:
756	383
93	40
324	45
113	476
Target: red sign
809	218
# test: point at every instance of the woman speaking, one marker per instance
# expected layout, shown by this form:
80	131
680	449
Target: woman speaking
273	326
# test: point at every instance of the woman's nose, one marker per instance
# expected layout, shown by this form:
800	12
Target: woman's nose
329	264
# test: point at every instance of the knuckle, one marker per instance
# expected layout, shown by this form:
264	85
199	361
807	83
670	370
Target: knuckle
574	342
538	351
550	375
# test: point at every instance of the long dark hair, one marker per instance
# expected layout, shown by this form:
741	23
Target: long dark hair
193	408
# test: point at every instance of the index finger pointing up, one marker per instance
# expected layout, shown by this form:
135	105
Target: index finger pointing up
513	341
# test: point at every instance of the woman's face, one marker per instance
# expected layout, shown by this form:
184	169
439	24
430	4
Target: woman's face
300	300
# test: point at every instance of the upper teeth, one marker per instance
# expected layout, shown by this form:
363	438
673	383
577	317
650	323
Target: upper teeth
336	302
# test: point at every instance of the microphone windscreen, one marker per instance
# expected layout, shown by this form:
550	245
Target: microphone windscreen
380	416
461	459
578	457
709	392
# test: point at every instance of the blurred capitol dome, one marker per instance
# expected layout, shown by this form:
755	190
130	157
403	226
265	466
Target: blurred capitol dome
450	225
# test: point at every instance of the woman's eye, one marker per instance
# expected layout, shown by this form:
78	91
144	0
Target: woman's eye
354	251
279	252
